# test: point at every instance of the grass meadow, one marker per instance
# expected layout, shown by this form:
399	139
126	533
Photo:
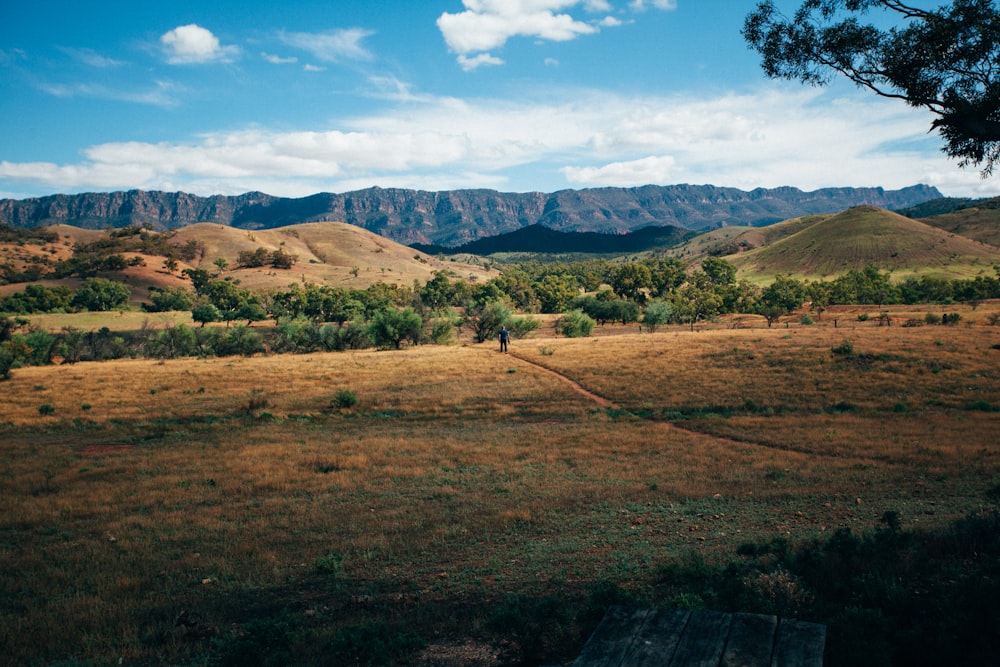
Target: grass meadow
364	507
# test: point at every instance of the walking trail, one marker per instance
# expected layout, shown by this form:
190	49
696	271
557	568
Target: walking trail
576	386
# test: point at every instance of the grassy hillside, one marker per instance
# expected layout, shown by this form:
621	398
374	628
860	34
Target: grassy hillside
864	236
979	223
734	240
327	253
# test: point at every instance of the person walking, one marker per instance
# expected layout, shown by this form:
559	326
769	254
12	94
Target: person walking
504	338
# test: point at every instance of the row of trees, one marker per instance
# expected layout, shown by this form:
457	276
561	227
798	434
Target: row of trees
97	294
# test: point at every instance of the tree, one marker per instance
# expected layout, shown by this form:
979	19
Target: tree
392	326
779	298
628	280
720	272
101	294
575	324
668	274
487	319
163	299
945	60
205	313
657	313
556	291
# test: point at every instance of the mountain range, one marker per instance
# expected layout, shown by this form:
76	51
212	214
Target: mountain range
456	217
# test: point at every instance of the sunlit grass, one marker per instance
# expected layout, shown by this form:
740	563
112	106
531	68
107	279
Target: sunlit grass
221	485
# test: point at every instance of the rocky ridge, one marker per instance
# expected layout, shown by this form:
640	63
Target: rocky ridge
452	218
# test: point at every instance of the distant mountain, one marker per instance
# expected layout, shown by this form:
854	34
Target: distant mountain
541	239
455	217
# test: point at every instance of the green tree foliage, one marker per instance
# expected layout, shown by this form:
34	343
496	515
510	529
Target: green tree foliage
866	287
101	294
173	342
575	324
667	275
204	313
719	272
518	287
555	291
657	314
781	297
38	299
696	302
605	310
240	340
487	319
945	60
392	326
630	279
165	299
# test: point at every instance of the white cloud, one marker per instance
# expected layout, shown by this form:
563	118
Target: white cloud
641	5
644	171
92	58
278	60
190	44
332	46
786	136
161	94
486	25
468	64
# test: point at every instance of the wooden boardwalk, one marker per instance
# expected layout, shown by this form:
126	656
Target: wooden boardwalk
679	638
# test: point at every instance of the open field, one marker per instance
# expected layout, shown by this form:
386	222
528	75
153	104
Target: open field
254	495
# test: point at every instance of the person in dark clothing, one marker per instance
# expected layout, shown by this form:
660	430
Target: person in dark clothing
504	337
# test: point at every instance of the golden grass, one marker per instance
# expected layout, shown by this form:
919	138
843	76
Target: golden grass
195	484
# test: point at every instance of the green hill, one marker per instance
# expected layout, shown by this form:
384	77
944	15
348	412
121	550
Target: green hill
865	236
734	240
979	222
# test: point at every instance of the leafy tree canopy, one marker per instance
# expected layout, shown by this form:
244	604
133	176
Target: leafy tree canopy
944	60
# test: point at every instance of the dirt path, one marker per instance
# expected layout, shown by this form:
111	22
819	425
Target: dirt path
576	386
607	403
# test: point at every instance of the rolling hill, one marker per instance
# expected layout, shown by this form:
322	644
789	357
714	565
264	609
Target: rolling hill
864	236
326	253
979	221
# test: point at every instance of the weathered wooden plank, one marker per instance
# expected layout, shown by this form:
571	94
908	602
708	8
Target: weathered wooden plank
612	637
751	641
799	644
657	642
703	639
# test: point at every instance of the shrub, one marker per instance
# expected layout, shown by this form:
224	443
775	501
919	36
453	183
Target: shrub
46	409
575	324
951	318
806	319
932	318
240	340
845	348
657	313
345	398
520	327
442	331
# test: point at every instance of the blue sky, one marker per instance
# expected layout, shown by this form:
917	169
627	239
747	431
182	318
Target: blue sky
297	97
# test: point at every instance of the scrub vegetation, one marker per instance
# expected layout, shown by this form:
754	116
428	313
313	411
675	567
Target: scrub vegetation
377	507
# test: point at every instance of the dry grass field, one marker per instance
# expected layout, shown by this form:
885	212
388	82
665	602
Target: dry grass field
139	494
